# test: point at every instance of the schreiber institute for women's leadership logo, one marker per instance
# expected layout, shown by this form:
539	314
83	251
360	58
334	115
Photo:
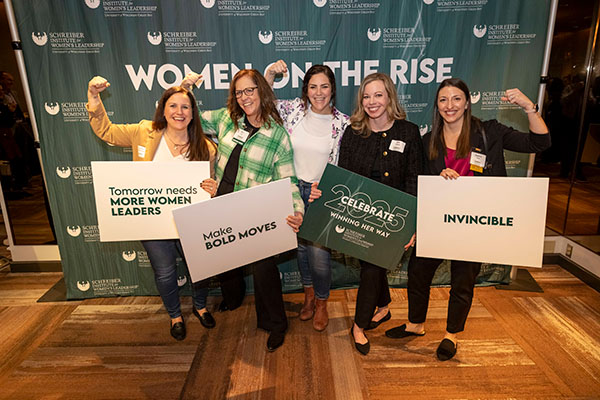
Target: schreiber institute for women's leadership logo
63	172
39	38
155	38
129	255
374	34
479	31
74	230
265	37
208	3
52	108
92	3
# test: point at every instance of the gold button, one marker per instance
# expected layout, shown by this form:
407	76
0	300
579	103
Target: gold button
386	174
384	134
385	153
237	183
241	167
245	150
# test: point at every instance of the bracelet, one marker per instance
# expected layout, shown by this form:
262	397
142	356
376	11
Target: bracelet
533	110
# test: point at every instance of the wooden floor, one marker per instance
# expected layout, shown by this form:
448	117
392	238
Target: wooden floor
28	217
584	207
517	345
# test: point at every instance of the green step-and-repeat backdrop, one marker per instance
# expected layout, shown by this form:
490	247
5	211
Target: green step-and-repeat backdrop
145	46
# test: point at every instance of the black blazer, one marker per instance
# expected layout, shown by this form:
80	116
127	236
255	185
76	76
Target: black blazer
358	154
499	137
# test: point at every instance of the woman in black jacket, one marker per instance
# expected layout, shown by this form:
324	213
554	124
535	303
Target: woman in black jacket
382	145
459	144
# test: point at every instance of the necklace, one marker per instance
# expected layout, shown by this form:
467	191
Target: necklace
176	145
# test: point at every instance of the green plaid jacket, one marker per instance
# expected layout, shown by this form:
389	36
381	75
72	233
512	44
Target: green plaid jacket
267	156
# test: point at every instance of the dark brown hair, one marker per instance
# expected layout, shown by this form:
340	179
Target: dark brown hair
265	94
312	71
360	119
437	144
198	149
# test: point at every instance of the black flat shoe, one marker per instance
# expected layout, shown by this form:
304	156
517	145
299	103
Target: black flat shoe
206	319
400	332
375	324
362	348
178	330
446	350
275	340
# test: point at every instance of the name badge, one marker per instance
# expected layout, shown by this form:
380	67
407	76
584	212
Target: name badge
477	160
141	151
397	145
240	136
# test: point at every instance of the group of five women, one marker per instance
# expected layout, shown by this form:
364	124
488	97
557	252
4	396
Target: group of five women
262	139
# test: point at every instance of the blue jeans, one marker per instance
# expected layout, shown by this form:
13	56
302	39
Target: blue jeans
314	260
163	255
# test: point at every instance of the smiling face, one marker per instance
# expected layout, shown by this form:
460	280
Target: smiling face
249	103
319	93
376	100
178	112
452	103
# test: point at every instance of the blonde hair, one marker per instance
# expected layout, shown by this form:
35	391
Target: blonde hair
360	119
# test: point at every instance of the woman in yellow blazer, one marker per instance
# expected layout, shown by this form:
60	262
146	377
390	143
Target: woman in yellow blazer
175	134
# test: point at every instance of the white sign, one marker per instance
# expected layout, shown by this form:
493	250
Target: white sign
134	199
236	229
485	219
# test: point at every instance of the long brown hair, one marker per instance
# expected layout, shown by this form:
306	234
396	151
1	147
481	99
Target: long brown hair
265	94
437	144
360	119
312	71
198	149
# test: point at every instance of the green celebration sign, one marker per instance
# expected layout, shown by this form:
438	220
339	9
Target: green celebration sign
145	46
360	217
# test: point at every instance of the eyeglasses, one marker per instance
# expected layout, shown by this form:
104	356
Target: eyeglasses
248	91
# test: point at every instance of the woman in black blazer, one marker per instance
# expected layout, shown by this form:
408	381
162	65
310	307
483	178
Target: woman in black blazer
379	144
459	144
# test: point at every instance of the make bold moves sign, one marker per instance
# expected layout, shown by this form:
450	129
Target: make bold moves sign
486	219
134	199
361	218
236	229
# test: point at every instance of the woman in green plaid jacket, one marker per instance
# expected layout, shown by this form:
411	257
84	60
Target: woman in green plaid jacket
254	149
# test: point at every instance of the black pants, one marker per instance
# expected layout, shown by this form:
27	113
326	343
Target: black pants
270	310
373	291
462	281
233	287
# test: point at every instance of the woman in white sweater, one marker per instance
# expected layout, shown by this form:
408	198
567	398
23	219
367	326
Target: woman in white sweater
315	127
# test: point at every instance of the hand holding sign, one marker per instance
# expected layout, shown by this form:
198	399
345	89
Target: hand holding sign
295	220
315	192
210	186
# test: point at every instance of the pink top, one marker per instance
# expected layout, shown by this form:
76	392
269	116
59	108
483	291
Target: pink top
462	165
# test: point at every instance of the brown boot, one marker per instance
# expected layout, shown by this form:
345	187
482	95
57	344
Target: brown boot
308	309
321	316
